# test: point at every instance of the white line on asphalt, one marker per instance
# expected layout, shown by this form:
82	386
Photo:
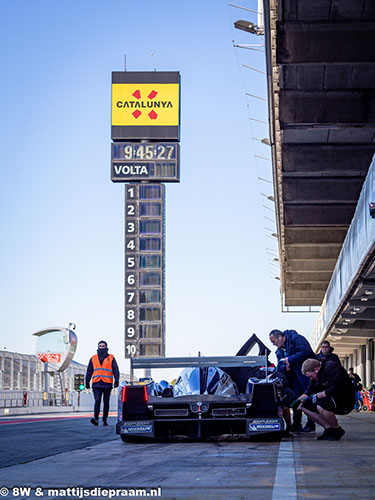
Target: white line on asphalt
285	486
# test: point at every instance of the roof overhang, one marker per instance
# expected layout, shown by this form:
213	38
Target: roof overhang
321	86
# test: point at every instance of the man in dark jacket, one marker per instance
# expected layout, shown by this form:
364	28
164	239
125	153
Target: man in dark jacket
329	393
104	371
326	353
356	381
292	350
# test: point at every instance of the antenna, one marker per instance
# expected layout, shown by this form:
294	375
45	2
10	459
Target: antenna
124	62
153	61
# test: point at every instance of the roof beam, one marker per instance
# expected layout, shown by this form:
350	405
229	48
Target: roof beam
314	42
312	252
334	159
322	214
302	236
310	265
326	107
322	189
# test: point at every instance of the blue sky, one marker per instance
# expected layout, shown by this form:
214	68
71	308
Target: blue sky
62	219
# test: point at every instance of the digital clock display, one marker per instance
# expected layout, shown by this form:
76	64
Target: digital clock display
144	151
156	161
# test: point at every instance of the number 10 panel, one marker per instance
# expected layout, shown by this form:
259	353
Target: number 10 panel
144	270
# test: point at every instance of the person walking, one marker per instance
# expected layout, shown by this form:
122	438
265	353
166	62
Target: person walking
292	350
357	386
103	370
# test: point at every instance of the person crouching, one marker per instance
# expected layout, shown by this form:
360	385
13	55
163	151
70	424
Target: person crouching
330	393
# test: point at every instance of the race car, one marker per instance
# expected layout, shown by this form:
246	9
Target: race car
212	396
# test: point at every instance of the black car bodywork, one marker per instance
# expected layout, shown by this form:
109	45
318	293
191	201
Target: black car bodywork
213	396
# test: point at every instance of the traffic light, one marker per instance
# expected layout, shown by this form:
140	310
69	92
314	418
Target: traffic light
79	382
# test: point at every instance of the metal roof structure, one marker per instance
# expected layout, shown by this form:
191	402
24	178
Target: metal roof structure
320	58
347	315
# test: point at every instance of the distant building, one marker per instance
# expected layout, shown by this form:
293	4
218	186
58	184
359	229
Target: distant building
25	372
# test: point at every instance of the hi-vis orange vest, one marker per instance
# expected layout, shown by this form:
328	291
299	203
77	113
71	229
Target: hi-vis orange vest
102	372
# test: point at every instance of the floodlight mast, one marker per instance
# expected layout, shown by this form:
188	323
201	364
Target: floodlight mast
248	26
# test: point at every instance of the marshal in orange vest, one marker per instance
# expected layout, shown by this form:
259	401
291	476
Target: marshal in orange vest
102	372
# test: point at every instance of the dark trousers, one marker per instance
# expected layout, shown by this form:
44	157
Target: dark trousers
299	389
98	393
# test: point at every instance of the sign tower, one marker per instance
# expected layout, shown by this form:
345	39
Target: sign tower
145	154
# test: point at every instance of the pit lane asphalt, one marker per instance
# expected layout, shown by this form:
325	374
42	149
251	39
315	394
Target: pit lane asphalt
29	438
227	469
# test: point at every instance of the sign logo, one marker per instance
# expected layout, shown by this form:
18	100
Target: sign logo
145	104
136	427
262	427
49	357
152	114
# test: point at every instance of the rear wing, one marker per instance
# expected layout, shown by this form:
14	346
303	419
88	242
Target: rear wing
199	361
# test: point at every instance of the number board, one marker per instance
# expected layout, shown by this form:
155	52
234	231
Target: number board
154	161
144	270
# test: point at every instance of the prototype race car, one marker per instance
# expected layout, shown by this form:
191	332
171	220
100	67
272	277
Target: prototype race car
212	396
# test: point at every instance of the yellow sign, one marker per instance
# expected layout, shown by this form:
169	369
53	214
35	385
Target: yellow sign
149	104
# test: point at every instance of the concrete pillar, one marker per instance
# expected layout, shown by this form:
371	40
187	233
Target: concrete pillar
350	361
362	364
369	361
355	360
346	363
28	374
13	374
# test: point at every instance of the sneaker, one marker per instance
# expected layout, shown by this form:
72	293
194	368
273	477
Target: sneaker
287	434
309	428
94	421
332	434
105	423
296	428
339	433
327	434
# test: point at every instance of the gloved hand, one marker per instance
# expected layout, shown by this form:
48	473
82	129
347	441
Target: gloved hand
295	404
88	386
115	385
310	402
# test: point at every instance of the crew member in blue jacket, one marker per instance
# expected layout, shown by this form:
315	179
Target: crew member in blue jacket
292	350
